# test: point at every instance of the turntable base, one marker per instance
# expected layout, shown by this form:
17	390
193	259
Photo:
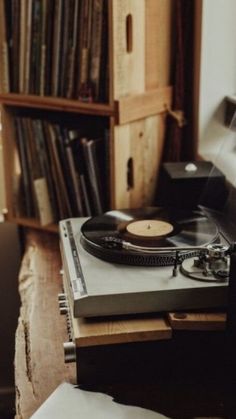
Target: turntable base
99	288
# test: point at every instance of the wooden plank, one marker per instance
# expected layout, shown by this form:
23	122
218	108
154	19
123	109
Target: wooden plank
110	53
120	330
161	138
121	146
137	138
158	43
133	107
56	104
197	321
39	360
136	147
151	159
31	222
129	180
4	54
144	151
128	65
11	163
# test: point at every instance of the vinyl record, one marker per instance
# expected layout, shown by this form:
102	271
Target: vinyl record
156	233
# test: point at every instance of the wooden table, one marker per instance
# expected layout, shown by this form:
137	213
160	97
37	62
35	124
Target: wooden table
39	356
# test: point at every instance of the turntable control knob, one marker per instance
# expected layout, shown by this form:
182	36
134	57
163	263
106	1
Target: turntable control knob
63	310
61	272
69	352
61	297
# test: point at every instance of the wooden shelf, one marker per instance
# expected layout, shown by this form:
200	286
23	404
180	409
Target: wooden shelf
32	223
126	109
56	104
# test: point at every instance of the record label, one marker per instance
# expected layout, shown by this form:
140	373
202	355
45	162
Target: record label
149	228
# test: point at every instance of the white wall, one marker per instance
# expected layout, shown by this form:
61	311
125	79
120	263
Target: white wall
217	80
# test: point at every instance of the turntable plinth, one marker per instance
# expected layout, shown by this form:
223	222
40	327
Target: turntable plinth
95	332
39	363
197	321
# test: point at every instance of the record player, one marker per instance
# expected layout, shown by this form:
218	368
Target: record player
141	261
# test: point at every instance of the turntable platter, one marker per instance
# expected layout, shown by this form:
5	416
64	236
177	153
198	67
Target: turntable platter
157	228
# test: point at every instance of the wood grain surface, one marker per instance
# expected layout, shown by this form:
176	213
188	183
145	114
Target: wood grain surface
39	357
120	330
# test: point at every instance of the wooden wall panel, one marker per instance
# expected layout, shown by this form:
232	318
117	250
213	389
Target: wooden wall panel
158	43
11	165
128	67
140	141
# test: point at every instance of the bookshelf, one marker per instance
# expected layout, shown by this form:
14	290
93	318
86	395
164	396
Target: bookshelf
128	114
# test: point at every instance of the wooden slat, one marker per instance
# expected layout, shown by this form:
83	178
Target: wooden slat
56	104
104	332
151	159
31	222
128	66
197	321
158	43
133	107
161	139
4	58
121	153
138	141
11	164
